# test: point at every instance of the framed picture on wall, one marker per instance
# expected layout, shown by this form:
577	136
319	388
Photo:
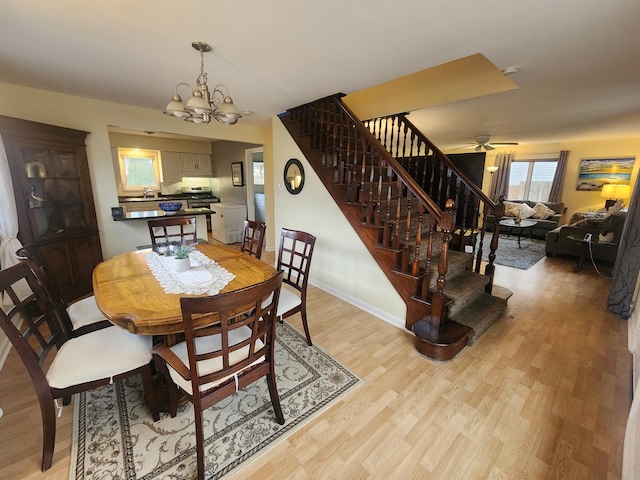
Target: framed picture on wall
596	172
237	174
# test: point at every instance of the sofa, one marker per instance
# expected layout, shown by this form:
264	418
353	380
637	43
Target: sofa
546	220
580	224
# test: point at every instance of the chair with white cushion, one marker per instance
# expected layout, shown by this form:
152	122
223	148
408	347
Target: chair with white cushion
83	315
294	259
83	363
218	359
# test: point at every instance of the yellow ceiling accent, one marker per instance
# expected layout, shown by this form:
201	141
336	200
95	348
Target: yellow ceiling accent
467	77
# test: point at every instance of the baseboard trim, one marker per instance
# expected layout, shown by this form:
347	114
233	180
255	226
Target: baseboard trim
393	320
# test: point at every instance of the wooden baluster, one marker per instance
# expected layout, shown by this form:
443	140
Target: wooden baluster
386	234
415	265
489	270
376	219
372	172
363	172
406	246
395	244
426	281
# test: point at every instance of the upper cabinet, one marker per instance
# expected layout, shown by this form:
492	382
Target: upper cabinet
176	165
196	165
171	167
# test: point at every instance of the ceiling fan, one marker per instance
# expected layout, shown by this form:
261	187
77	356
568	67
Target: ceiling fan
482	143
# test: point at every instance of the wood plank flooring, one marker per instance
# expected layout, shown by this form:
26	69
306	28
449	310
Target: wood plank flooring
544	393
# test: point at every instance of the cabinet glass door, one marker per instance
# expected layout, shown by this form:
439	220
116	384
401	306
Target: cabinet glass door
54	191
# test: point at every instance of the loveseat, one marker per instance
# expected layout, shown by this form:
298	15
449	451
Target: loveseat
558	243
546	220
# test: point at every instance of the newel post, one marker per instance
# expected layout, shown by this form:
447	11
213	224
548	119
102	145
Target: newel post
439	303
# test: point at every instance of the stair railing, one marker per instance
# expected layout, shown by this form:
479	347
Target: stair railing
391	198
441	180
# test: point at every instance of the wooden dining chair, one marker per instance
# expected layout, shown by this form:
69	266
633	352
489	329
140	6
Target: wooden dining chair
82	315
294	259
29	321
217	360
253	238
172	229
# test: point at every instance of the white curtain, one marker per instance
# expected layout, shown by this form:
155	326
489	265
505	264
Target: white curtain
9	243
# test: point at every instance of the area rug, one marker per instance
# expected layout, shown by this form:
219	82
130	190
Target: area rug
509	255
116	438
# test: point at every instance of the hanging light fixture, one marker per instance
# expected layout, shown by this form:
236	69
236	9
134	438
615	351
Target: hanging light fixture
204	105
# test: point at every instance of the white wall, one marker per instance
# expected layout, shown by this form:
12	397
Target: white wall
94	117
341	263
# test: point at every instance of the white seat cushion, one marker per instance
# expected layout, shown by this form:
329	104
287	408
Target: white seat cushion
209	344
287	301
96	355
85	312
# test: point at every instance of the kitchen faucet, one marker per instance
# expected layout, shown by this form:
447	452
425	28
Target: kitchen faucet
146	191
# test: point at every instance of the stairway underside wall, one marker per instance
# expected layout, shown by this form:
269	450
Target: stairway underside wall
341	260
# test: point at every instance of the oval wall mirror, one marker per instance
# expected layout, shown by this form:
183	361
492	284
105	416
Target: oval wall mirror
294	176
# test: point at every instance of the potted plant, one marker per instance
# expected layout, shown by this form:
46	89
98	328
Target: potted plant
181	259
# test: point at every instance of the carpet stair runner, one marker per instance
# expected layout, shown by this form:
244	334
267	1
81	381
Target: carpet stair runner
471	306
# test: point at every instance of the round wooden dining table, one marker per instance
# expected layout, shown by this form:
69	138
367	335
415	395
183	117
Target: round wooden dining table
129	295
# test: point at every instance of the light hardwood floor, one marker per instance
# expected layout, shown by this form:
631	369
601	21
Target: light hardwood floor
544	393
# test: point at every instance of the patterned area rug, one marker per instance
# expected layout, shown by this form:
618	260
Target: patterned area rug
509	255
116	438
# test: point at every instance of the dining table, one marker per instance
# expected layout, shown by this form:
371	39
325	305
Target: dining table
130	296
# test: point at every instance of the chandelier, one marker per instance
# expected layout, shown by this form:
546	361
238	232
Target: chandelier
203	104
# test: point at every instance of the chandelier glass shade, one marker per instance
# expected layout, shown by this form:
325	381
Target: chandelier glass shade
204	105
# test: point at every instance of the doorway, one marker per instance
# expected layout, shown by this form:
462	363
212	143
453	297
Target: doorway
254	167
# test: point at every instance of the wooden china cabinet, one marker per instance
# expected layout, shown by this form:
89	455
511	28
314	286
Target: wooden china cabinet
54	200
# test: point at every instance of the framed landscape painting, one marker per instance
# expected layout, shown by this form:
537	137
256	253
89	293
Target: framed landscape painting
596	172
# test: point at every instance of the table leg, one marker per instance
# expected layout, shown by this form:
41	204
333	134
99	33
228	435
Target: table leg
581	261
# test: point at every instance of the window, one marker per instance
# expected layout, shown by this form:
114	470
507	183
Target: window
258	173
531	180
139	169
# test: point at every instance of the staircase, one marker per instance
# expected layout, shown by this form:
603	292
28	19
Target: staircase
415	212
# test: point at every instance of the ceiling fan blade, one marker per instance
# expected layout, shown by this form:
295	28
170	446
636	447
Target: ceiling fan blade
488	147
463	146
499	144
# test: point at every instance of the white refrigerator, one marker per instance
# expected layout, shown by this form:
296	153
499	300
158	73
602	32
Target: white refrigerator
228	221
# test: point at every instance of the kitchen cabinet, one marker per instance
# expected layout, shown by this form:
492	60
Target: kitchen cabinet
54	200
171	167
196	165
176	165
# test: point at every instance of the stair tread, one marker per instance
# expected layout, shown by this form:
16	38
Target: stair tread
464	289
480	314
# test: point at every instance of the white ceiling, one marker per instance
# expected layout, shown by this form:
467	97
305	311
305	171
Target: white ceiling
578	60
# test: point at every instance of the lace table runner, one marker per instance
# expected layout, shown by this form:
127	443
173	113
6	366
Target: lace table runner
204	277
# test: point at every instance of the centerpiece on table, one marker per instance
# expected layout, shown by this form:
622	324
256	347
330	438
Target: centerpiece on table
180	261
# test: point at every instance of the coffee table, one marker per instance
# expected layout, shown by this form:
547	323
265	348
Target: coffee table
518	228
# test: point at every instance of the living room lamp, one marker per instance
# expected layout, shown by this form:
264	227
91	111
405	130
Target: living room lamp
613	192
203	104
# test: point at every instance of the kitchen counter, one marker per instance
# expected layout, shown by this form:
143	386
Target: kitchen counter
147	214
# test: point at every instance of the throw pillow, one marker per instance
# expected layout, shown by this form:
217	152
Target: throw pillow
526	211
542	212
511	209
